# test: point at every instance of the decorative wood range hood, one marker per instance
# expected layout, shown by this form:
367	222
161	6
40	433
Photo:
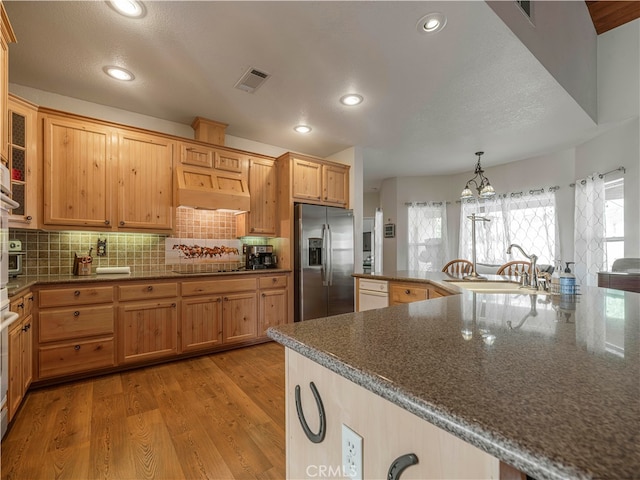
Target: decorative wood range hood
208	188
211	189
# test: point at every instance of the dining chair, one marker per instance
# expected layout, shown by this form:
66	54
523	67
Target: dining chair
458	266
514	268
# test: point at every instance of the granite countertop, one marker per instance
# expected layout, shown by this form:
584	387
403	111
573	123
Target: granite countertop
20	283
548	384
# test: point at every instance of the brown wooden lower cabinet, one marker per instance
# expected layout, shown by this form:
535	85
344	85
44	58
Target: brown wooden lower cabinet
408	292
148	331
87	328
20	356
201	323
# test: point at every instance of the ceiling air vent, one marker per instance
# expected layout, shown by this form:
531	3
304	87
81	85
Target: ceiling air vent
251	80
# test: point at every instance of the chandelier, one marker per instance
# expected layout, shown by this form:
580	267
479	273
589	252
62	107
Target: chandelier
484	188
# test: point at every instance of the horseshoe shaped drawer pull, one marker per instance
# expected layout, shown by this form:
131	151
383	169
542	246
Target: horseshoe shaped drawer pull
314	437
400	464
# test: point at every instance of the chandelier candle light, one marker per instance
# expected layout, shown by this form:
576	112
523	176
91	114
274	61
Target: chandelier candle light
484	188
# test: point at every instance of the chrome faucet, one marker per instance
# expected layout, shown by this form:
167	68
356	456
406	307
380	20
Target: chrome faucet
533	277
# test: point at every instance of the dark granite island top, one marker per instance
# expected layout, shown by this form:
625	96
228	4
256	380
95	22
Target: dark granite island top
545	384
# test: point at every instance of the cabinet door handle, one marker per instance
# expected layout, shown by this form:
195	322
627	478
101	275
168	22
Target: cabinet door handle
76	348
218	299
76	293
149	288
407	292
76	313
400	464
264	294
107	222
314	437
173	305
21	305
26	327
121	222
29	218
226	299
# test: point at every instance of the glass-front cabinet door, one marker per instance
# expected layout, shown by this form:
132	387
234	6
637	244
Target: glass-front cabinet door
22	162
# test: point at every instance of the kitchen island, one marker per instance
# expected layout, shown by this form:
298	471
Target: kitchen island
548	385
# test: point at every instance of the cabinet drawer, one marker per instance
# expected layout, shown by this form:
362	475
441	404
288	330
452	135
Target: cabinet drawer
408	293
71	323
75	296
218	286
148	290
76	357
274	281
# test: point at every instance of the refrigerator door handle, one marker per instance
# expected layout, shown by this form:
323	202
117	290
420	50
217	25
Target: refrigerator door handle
324	269
330	253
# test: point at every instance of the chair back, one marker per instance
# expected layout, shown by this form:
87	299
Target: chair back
458	267
515	268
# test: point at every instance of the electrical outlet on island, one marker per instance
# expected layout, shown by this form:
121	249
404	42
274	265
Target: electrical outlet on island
351	454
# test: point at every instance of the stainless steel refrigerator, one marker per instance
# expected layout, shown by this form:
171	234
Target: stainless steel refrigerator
323	262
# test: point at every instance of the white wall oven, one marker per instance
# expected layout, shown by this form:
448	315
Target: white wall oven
6	317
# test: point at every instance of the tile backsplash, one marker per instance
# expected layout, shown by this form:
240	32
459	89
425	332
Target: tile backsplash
52	253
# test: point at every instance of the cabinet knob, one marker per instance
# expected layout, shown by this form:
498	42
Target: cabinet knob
149	288
21	305
26	327
76	293
264	294
121	222
274	279
76	347
407	291
253	229
107	222
76	313
29	218
173	305
226	299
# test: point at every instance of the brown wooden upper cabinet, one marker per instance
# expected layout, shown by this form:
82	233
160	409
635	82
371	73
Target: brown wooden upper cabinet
23	161
145	182
6	37
102	177
317	181
261	220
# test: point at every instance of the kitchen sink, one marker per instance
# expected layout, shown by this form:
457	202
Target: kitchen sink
494	287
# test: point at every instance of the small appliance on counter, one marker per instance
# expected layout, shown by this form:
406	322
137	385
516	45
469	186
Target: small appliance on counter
258	257
15	258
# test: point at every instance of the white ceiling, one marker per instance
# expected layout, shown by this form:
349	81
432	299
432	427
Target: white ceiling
431	101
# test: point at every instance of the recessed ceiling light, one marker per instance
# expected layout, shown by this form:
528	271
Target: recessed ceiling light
119	73
351	99
302	128
128	8
431	23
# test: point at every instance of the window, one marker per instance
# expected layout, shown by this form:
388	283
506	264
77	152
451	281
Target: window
526	220
427	237
614	220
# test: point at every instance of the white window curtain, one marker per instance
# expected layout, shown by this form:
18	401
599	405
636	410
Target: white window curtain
589	233
427	238
529	220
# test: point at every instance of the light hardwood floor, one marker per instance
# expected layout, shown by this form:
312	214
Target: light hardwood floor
218	416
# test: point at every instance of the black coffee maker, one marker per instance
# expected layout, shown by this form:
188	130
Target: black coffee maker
258	257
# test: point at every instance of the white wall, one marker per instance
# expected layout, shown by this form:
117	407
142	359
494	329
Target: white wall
563	39
371	201
617	144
